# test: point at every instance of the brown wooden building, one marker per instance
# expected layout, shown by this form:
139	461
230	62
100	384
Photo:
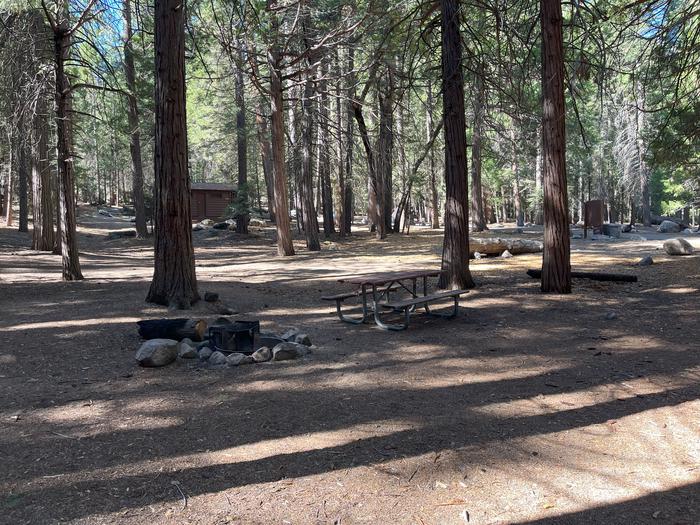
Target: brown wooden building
209	200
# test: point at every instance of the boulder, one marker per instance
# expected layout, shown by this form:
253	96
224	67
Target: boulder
186	351
217	358
303	339
206	222
506	255
290	334
262	354
678	247
286	351
646	261
259	223
205	353
198	228
202	344
669	227
211	297
157	352
626	228
220	226
478	255
687	230
236	359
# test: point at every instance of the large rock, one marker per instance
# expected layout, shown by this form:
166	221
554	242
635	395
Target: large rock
302	339
157	352
646	261
185	350
286	351
290	334
236	359
217	358
262	354
669	227
626	228
678	247
220	226
205	353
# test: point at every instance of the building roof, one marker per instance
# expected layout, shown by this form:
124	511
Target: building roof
213	186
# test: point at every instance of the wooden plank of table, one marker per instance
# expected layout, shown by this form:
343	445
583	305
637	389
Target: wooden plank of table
387	277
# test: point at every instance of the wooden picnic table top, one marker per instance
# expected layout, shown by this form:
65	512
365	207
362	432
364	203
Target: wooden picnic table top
381	278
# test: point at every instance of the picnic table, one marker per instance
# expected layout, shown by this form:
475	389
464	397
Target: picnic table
375	290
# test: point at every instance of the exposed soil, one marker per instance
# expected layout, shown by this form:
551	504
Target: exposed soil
527	408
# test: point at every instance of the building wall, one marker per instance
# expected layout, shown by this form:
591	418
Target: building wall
210	204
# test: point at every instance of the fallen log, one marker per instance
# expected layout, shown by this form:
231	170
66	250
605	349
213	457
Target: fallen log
496	246
596	276
176	329
658	219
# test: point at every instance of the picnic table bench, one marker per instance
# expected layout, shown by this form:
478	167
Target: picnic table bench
377	288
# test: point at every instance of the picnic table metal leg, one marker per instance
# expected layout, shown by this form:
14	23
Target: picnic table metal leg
377	317
354	320
455	310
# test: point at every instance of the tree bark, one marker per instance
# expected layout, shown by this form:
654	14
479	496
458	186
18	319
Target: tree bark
340	144
556	259
324	168
64	150
266	159
478	219
455	249
375	209
306	183
7	203
22	190
348	211
134	128
242	217
384	152
174	281
432	176
42	202
274	58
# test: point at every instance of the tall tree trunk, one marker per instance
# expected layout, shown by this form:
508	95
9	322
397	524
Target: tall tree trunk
266	159
556	265
22	189
375	209
42	202
134	128
478	218
432	176
340	143
242	144
64	150
274	57
455	248
348	211
174	281
539	219
324	171
7	202
517	190
306	186
385	145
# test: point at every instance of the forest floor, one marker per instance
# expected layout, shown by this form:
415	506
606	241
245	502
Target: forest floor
526	409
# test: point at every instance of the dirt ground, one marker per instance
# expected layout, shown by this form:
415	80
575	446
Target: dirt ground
526	409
